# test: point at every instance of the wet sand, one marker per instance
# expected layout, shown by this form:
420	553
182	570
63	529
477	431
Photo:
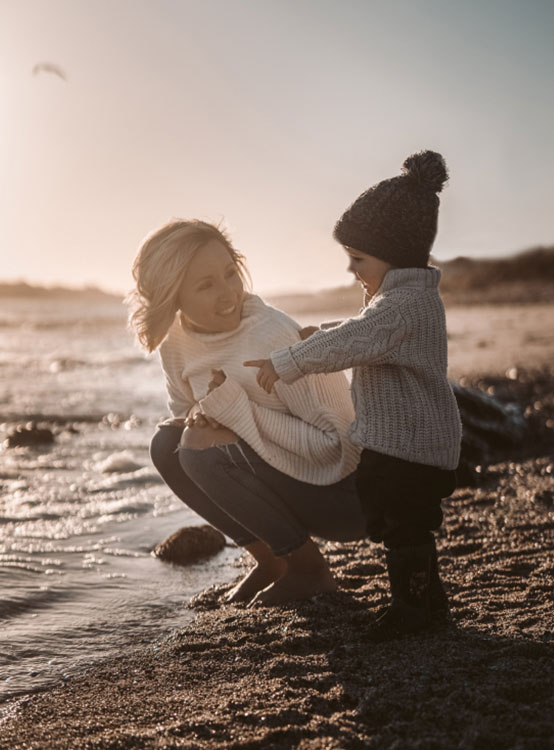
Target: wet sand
305	676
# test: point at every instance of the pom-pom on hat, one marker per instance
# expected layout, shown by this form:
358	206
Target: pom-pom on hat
396	219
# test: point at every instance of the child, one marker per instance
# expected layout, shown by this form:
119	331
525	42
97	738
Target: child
406	417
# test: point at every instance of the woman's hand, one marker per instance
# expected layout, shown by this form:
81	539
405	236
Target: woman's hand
218	378
306	332
266	376
174	422
202	432
202	420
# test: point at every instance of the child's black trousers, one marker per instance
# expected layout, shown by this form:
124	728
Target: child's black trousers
401	499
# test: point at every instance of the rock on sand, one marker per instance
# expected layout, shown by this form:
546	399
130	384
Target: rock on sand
189	544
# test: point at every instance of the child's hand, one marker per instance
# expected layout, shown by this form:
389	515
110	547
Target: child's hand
266	376
306	332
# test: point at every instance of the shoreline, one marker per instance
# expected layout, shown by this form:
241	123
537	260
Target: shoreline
304	676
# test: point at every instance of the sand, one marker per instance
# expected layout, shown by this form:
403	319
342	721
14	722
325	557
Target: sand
493	339
305	676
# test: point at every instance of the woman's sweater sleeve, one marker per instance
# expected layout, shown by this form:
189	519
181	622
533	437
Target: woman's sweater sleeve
370	338
179	393
314	436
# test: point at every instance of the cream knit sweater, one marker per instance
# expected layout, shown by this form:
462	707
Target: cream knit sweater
300	429
397	348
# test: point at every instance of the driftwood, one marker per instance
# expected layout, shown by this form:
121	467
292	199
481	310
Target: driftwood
490	430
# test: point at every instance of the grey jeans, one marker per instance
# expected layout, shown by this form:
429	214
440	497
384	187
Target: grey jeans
233	489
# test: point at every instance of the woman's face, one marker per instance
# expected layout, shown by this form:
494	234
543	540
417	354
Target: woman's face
212	292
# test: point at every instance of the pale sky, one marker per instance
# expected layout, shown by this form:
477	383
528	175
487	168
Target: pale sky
271	115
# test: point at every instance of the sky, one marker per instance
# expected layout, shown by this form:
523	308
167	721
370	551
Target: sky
270	116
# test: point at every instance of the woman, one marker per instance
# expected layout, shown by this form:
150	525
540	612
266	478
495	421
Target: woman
268	470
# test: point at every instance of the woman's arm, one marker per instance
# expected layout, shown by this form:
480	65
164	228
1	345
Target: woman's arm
202	431
179	393
313	431
259	425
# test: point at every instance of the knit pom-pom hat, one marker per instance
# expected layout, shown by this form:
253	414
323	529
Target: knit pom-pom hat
396	219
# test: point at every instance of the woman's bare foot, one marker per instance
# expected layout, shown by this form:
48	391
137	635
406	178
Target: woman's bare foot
307	574
260	576
268	569
296	586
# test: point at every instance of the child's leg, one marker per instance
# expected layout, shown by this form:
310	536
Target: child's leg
402	501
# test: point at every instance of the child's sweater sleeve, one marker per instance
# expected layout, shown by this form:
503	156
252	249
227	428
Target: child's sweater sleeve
370	338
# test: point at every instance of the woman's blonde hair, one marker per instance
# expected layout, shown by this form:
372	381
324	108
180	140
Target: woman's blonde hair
158	270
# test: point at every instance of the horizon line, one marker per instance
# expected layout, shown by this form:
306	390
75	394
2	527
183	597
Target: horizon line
112	292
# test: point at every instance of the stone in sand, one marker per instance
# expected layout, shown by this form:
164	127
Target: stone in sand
189	544
29	435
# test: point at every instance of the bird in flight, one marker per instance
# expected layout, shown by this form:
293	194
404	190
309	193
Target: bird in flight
48	67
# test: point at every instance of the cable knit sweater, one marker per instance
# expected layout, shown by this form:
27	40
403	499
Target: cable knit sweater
397	348
300	429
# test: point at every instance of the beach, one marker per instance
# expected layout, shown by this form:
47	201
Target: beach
304	675
179	177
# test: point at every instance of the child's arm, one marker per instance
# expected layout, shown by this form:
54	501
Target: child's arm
267	376
308	331
369	338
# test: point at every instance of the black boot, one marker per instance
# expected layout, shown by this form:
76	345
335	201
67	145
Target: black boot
418	599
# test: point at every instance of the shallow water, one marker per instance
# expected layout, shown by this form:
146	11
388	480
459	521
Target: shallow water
78	518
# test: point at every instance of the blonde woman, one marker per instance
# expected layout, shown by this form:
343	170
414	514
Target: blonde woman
268	470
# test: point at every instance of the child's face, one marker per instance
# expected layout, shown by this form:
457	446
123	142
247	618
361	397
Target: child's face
212	294
369	271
